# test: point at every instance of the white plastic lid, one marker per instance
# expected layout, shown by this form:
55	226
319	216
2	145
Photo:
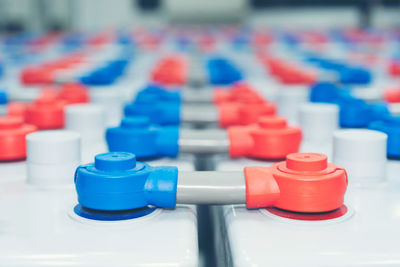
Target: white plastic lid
394	108
318	121
53	147
368	93
107	96
112	101
289	99
86	119
362	153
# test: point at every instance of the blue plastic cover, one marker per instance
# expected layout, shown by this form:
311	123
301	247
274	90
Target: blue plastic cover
116	182
136	135
158	112
3	97
391	126
223	72
107	74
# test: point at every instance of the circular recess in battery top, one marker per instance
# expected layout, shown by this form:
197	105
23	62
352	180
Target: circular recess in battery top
120	215
337	215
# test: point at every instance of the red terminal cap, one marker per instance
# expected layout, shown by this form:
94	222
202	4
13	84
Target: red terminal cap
170	71
17	109
250	114
394	68
241	105
46	113
305	182
74	93
228	114
287	72
272	138
392	95
247	98
298	77
49	92
239	92
12	137
221	95
45	73
231	114
37	75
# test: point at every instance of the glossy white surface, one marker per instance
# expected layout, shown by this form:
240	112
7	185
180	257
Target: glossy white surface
289	99
362	153
112	101
318	121
52	157
39	229
86	119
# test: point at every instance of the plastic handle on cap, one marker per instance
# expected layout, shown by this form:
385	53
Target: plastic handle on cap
240	141
305	182
220	96
116	182
228	114
261	187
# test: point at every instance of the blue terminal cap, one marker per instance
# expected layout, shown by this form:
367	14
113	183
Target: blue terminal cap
222	72
391	126
355	75
290	39
3	98
136	135
378	111
152	89
115	161
158	94
354	113
332	65
107	74
324	92
158	112
327	92
147	98
116	182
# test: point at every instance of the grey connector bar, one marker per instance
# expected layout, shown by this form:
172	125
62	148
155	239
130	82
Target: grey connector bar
201	114
211	187
199	96
209	141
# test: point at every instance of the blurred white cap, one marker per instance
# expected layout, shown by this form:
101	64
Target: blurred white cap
52	157
318	121
362	153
